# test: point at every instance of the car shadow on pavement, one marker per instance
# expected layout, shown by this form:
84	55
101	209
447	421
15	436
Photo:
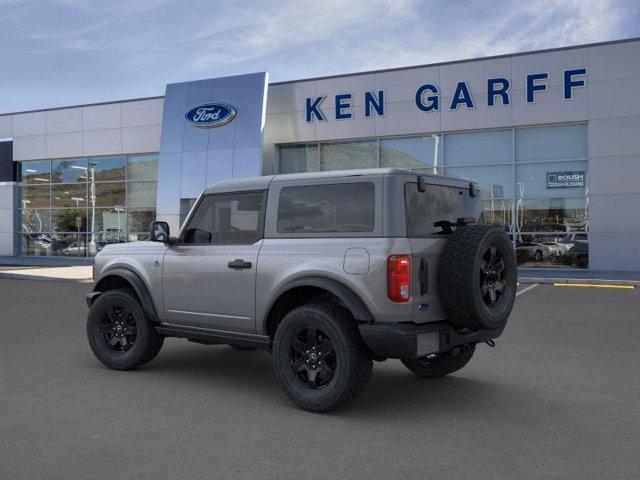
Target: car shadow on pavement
392	392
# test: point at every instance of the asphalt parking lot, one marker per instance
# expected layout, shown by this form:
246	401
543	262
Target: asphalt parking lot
559	397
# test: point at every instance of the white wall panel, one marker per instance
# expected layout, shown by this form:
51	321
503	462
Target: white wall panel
549	107
144	112
141	139
102	116
614	98
102	142
614	136
288	127
618	175
618	60
25	124
401	85
63	145
289	97
6	126
29	148
64	120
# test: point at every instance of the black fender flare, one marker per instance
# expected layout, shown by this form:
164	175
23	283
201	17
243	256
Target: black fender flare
138	286
350	299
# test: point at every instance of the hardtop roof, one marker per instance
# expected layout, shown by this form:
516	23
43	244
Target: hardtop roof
262	183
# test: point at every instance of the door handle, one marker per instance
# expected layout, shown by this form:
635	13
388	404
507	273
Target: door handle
239	263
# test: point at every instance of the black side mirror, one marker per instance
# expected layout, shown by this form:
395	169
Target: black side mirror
159	232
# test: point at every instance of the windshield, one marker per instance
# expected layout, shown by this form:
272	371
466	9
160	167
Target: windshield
438	204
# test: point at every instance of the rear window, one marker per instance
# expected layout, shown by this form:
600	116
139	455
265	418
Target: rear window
338	208
436	204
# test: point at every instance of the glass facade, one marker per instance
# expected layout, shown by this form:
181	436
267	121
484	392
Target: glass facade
533	179
74	207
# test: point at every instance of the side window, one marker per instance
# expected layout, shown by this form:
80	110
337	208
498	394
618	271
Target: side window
338	208
227	219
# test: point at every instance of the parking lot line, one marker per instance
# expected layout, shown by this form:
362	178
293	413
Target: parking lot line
592	285
526	289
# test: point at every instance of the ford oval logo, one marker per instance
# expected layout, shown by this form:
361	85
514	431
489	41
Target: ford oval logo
210	115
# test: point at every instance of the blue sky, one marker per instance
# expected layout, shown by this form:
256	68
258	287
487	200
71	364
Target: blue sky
67	52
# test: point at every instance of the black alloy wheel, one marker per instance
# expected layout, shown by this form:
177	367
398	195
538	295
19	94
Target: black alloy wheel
313	357
319	357
119	333
492	271
118	328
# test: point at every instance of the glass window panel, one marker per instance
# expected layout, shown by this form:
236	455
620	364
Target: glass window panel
35	172
298	158
140	220
36	244
69	195
97	242
346	207
35	220
555	250
109	194
558	142
35	196
499	213
495	181
232	219
552	215
348	155
138	237
69	171
436	204
142	167
67	220
185	208
141	194
416	153
107	222
106	168
477	148
69	245
551	179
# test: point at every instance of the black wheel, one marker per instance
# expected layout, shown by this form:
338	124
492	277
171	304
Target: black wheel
442	364
119	334
241	348
477	277
319	357
538	256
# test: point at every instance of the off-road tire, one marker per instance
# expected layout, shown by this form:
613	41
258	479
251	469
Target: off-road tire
147	342
444	364
353	364
459	277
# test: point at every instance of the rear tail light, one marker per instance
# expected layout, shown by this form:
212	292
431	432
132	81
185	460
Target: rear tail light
398	278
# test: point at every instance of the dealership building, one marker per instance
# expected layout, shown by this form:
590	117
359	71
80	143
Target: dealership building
552	137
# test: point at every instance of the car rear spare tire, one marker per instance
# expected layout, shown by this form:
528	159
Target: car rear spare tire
477	277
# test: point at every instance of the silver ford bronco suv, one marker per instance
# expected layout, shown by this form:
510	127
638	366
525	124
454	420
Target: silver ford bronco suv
328	271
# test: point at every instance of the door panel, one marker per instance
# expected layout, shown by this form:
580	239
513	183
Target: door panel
201	290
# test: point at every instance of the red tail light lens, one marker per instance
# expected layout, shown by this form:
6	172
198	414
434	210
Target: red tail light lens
398	278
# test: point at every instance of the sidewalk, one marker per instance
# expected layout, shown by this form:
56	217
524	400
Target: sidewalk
590	277
82	274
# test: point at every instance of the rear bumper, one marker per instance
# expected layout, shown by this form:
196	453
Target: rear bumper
408	340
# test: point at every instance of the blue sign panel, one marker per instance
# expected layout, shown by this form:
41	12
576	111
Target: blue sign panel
568	179
210	115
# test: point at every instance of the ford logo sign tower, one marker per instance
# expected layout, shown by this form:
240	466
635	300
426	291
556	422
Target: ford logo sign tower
210	115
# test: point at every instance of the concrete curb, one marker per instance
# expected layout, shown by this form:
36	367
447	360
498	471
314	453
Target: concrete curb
588	281
37	278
